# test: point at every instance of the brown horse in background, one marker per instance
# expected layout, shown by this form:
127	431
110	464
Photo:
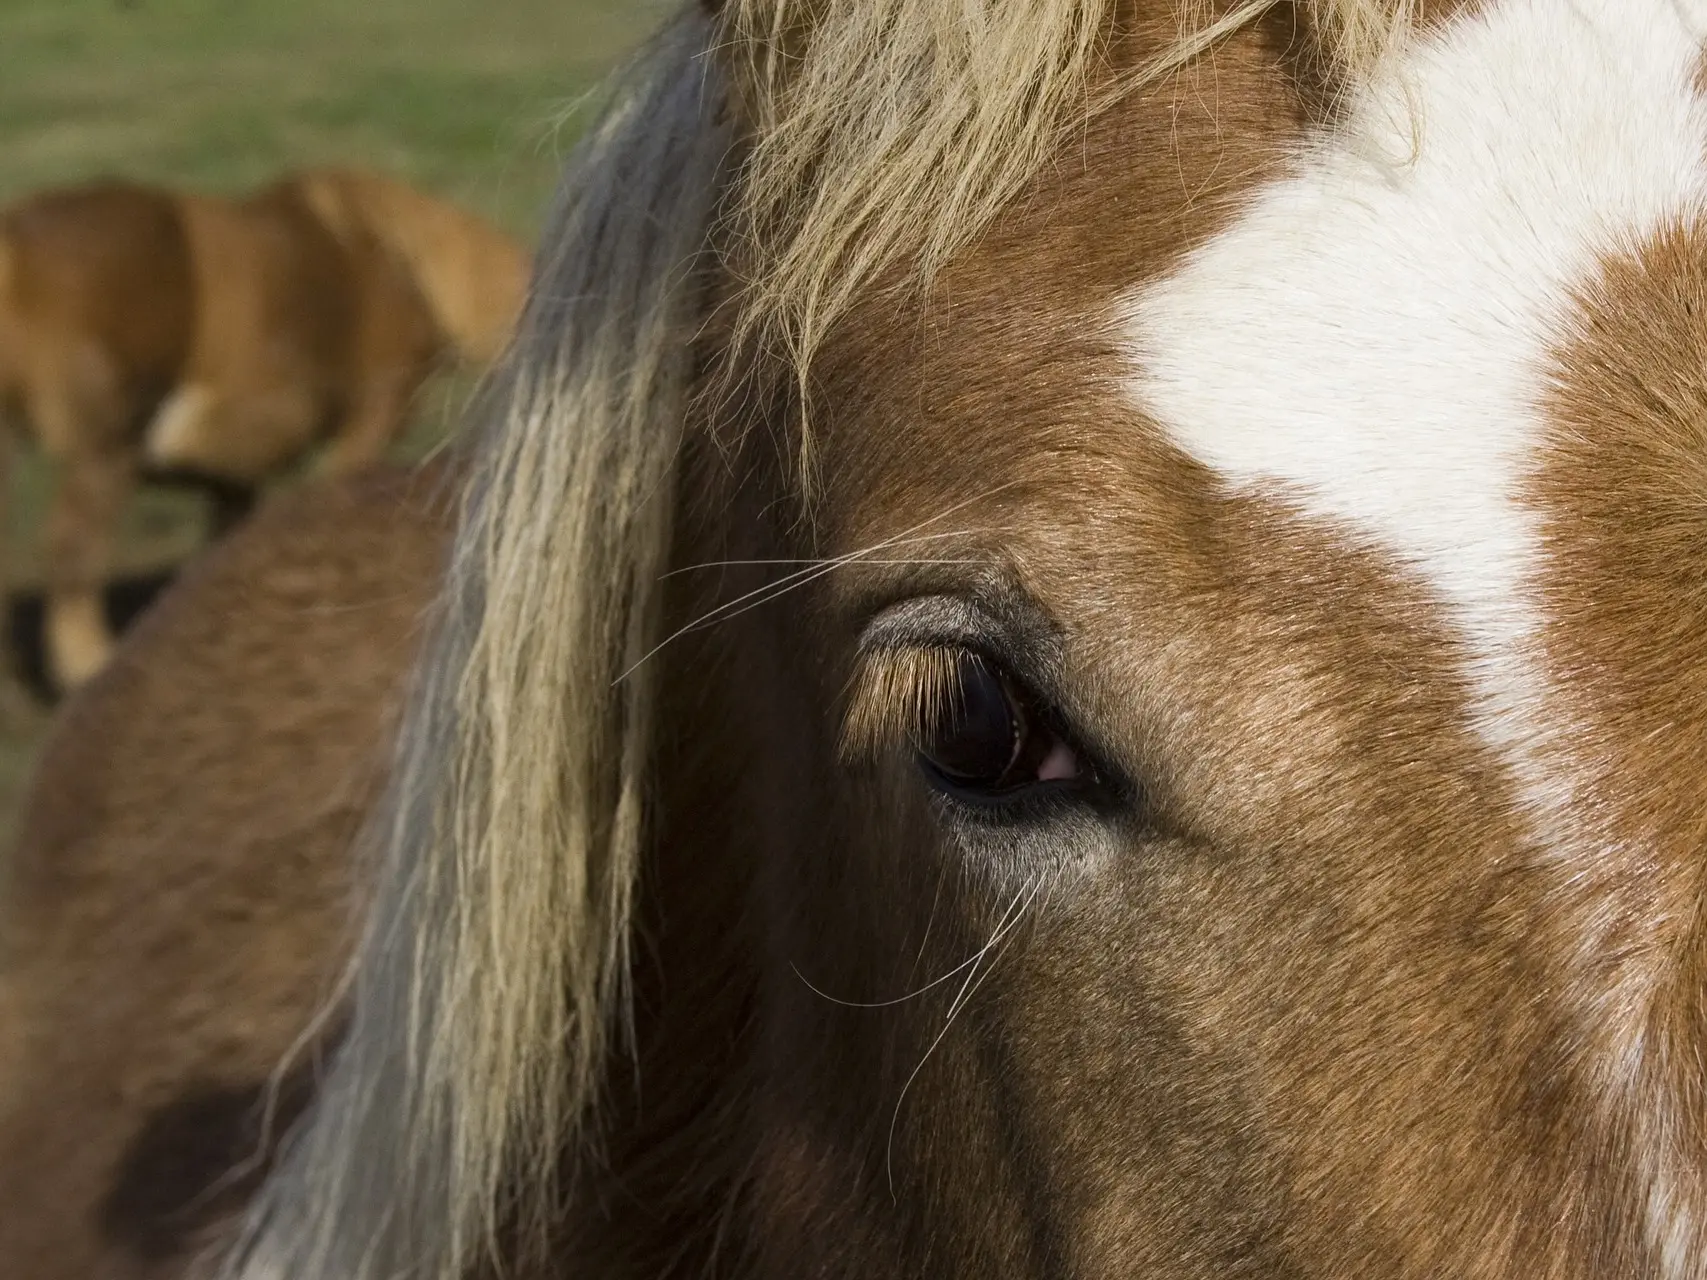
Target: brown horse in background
150	332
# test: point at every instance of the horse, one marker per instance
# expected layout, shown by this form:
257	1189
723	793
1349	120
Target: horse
339	576
183	336
1073	646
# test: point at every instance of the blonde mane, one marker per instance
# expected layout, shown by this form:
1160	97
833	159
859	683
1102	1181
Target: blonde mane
497	948
960	105
492	973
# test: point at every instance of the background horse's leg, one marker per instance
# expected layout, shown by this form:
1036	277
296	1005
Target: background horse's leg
80	526
17	705
82	427
377	415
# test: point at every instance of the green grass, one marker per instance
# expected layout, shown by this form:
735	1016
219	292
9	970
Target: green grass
466	96
473	99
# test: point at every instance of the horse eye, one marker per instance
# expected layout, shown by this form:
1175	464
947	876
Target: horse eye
989	739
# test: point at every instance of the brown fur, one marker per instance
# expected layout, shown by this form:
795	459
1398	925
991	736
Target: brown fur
1302	999
1619	492
192	802
143	330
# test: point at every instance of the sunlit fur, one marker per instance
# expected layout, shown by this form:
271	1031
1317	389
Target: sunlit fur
492	977
960	105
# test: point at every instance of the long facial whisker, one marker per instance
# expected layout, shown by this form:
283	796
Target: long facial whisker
772	590
1002	930
887	1004
794	581
799	578
906	538
1015	912
809	562
930	920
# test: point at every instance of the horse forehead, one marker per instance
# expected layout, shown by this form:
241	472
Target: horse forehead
1376	331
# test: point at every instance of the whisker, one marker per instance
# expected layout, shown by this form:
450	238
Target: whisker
884	1004
974	958
801	577
930	919
1016	910
764	594
818	560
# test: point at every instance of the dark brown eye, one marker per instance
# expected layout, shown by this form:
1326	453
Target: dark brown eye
987	738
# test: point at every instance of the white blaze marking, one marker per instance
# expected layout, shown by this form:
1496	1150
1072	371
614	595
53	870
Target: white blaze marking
1371	336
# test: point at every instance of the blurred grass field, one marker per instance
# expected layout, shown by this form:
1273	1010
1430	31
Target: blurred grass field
472	99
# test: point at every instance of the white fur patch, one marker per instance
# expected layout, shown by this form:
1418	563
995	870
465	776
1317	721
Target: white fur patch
176	436
1370	336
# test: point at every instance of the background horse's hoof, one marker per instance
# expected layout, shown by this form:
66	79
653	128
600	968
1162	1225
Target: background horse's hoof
123	600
